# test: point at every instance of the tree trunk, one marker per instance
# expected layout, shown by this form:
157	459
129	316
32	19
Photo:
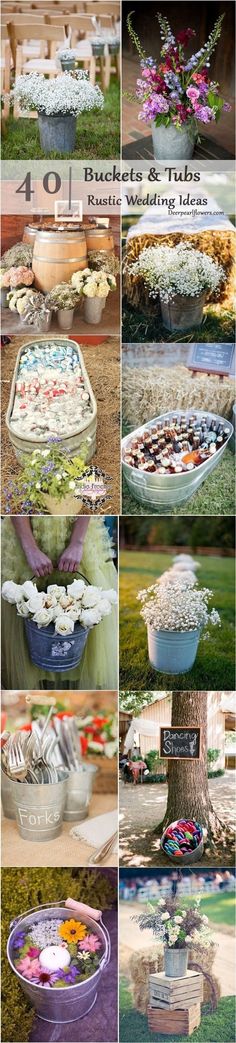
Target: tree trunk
188	792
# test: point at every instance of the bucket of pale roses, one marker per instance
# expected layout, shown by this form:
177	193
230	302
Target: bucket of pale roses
58	618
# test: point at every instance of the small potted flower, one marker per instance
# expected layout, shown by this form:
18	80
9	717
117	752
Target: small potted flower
48	482
113	43
179	928
36	313
177	93
97	43
94	287
16	278
17	299
101	259
175	612
67	58
58	102
63	299
180	277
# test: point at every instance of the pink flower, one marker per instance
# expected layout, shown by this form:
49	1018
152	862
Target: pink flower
21	276
90	944
33	952
192	93
29	968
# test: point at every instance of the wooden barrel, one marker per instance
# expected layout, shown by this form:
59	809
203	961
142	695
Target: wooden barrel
99	239
29	234
56	256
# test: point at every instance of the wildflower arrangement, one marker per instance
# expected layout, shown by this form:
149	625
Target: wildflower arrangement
16	277
56	953
45	472
63	607
179	89
171	270
98	734
68	94
173	604
90	283
19	254
101	259
176	926
63	296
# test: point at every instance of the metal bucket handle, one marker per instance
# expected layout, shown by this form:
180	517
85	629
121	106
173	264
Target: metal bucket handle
48	905
72	574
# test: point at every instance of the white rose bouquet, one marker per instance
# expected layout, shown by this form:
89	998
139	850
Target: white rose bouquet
90	283
64	607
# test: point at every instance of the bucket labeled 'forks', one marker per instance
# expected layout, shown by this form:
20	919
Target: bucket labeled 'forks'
39	808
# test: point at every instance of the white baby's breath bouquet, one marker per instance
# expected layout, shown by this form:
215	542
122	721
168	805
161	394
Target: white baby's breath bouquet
68	94
175	603
172	270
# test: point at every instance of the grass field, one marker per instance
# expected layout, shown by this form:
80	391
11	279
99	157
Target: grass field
214	665
98	134
215	1028
219	912
217	326
215	496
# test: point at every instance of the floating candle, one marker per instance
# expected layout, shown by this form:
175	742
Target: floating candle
54	958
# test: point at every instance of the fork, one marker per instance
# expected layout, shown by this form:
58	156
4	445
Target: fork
16	761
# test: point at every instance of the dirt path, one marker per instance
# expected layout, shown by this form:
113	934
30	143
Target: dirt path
103	364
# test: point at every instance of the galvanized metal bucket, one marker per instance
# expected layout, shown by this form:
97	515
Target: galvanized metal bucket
60	1006
175	962
170	143
49	650
6	795
79	792
57	132
163	492
182	313
39	808
172	651
185	859
92	311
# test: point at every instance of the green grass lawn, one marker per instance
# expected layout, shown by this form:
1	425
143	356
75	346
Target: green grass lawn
138	328
218	1027
215	496
219	912
214	664
98	134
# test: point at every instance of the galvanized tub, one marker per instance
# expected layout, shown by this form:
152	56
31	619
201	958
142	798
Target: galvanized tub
86	430
163	492
7	797
172	651
60	1006
187	859
79	792
39	808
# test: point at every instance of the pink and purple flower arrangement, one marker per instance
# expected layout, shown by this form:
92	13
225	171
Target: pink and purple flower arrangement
179	89
56	954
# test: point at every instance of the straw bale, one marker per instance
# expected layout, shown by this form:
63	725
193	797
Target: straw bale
219	245
151	391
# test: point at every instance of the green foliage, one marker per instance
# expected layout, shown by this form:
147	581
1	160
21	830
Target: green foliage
134	37
22	889
212	755
214	665
50	474
153	760
136	701
215	774
98	135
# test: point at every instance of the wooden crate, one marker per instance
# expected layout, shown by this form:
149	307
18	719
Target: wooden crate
174	1022
175	993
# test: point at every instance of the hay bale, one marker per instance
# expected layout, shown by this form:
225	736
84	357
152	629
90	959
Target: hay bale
219	245
141	965
149	392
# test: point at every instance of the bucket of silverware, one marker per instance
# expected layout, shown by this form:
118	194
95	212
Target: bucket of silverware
79	792
39	808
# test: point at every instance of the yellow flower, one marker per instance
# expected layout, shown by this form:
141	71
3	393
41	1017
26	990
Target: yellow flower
72	931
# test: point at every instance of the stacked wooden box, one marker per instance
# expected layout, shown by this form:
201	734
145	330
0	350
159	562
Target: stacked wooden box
175	1003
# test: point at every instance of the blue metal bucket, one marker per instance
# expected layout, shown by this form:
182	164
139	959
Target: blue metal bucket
47	649
172	651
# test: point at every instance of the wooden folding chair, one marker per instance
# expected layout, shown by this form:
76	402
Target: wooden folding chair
44	34
5	63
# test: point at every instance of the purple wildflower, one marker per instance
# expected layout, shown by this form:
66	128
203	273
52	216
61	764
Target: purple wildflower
204	113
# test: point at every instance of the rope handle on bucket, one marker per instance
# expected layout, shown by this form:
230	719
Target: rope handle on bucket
49	905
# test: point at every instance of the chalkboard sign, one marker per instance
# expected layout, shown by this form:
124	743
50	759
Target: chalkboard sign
212	358
180	743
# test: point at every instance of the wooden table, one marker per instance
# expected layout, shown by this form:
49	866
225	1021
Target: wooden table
64	851
206	150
